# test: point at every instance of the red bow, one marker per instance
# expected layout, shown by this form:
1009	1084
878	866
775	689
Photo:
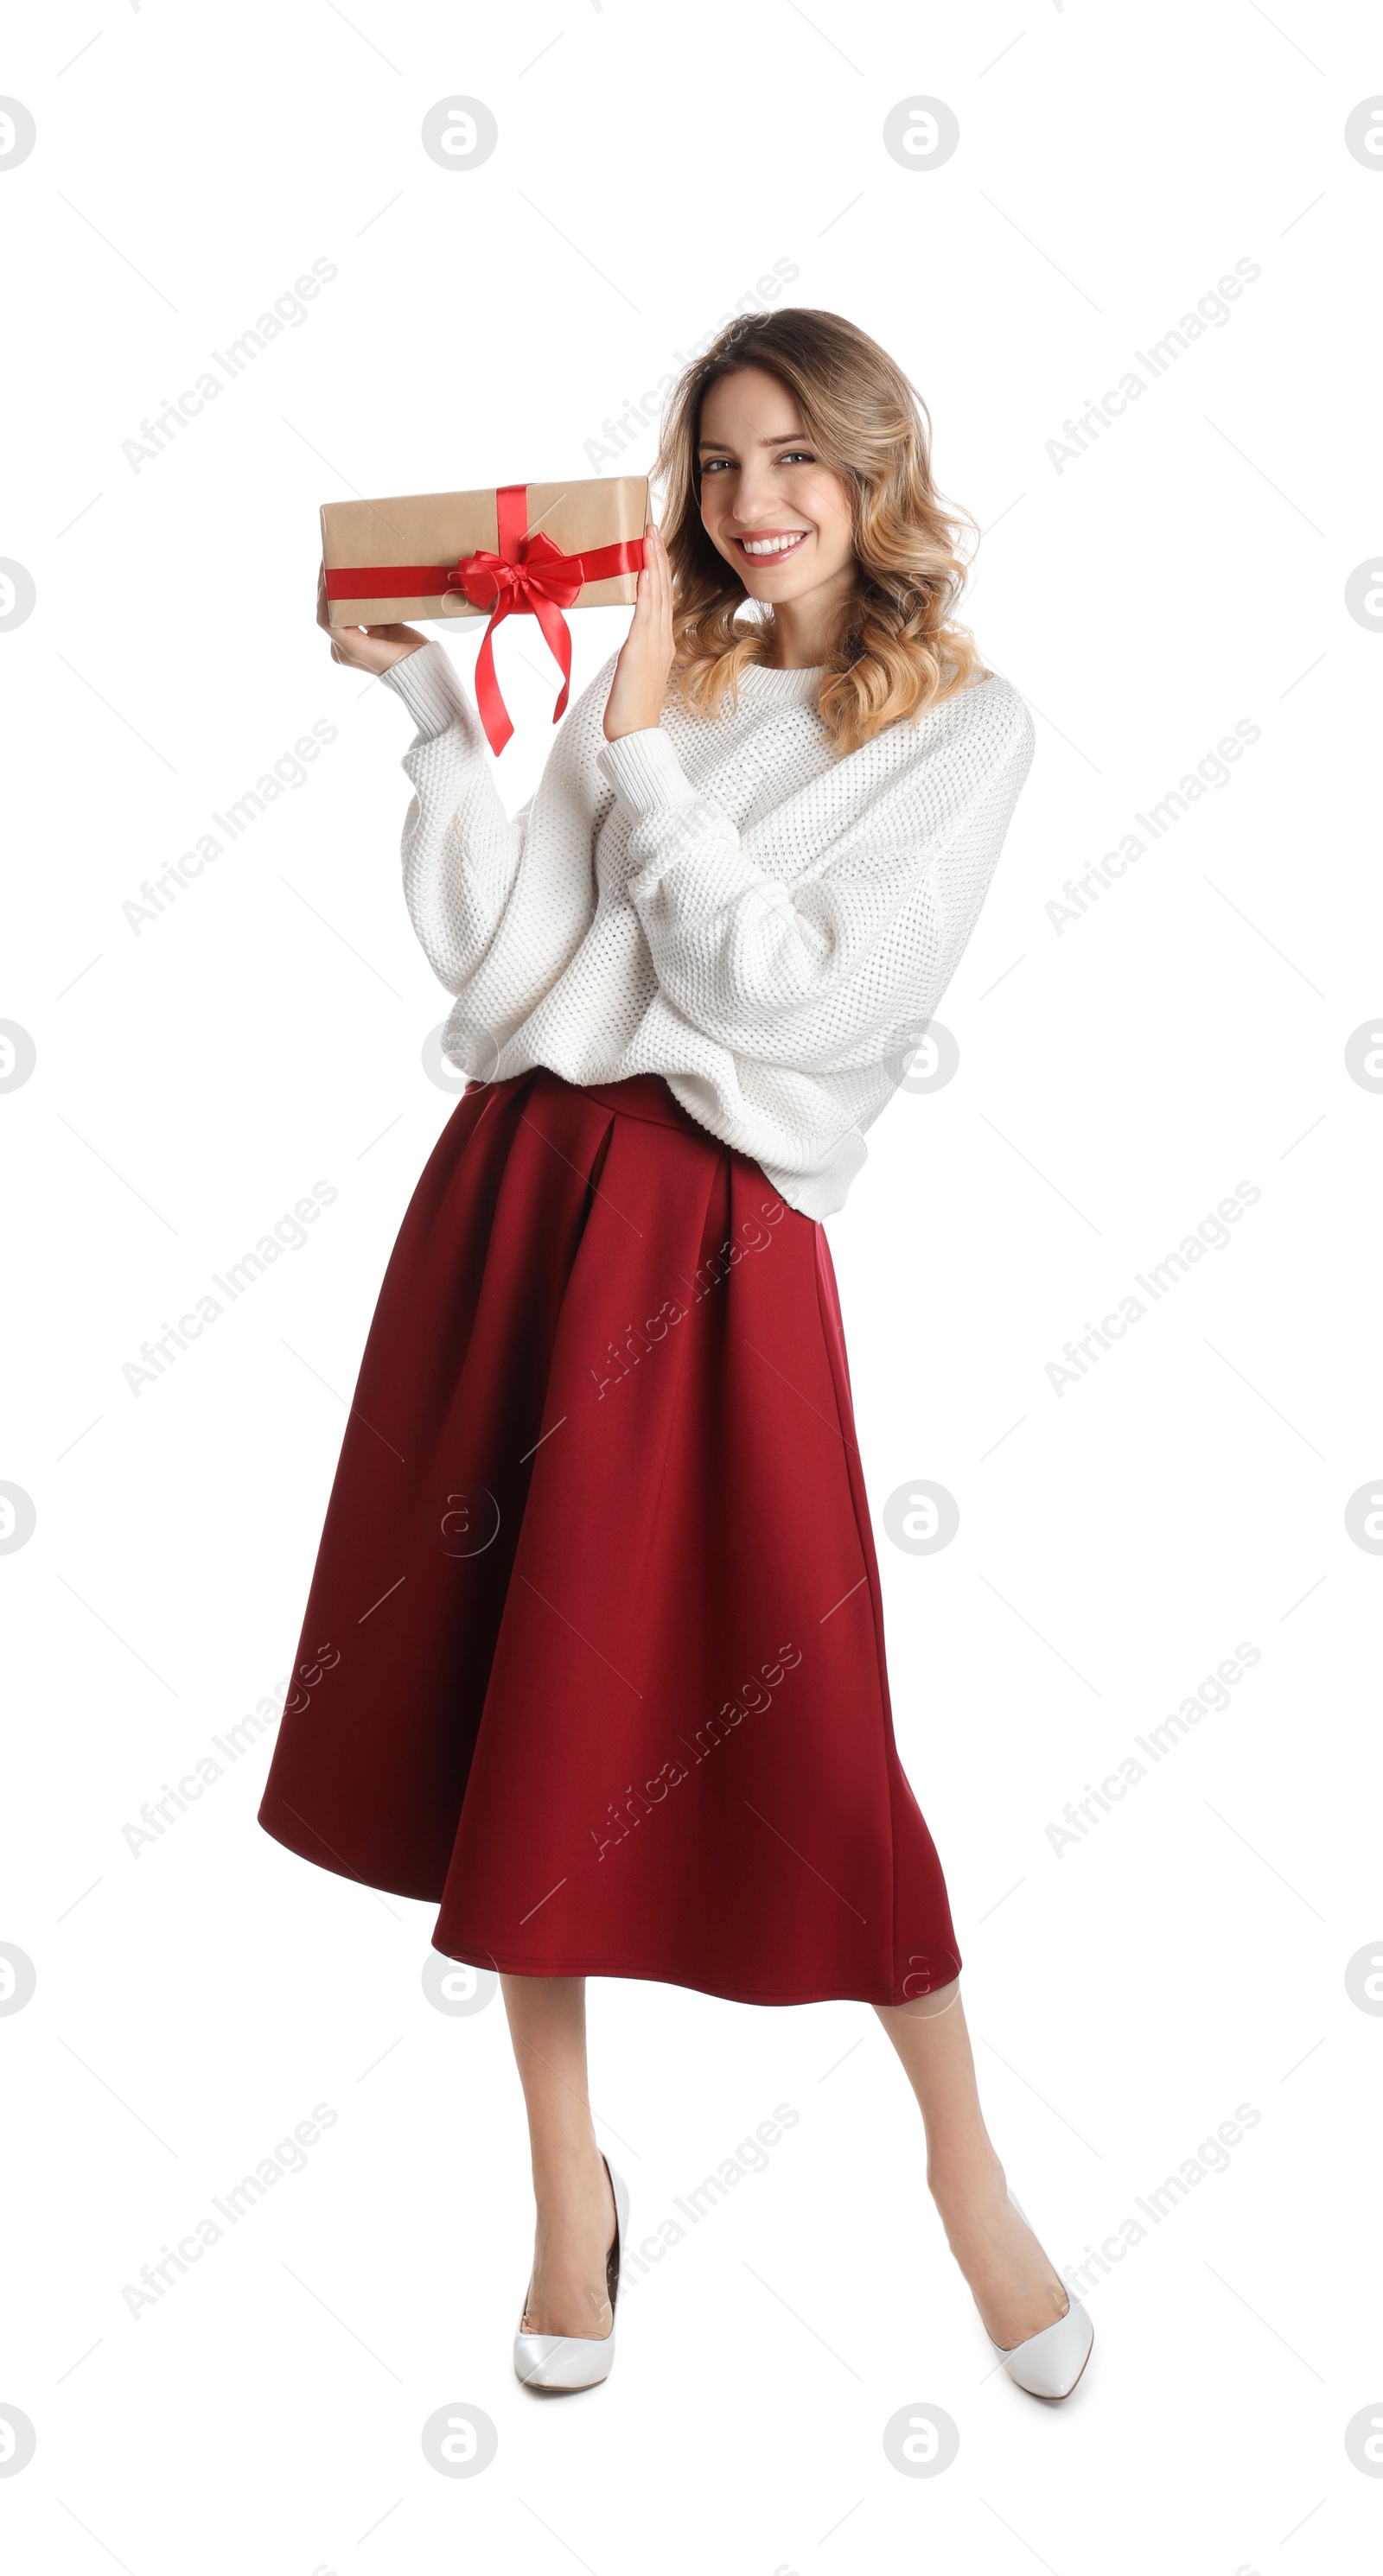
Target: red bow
529	577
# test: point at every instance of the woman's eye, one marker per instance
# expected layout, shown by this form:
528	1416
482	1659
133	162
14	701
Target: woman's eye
790	456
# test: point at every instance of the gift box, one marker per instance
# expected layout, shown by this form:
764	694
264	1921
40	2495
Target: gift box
527	549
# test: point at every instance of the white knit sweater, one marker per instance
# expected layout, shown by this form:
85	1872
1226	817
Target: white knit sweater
720	900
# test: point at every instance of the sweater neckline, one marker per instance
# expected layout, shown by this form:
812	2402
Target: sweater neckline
781	686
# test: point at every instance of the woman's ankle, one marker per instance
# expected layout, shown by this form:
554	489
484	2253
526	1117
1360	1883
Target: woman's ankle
969	2178
569	2174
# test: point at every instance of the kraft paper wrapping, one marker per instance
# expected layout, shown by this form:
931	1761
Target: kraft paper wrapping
439	527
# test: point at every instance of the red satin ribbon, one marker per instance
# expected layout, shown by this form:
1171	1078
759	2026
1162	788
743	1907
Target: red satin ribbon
529	577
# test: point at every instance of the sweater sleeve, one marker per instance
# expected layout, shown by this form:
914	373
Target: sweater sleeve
461	851
839	970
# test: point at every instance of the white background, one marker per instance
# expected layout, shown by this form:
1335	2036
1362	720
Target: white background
195	1076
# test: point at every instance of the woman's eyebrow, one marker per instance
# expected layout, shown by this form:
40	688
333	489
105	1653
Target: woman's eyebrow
784	438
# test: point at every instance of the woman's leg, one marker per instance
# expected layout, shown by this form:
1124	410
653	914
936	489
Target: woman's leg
1015	2288
576	2209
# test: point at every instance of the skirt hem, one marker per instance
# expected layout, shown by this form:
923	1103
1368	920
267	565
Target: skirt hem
482	1958
478	1956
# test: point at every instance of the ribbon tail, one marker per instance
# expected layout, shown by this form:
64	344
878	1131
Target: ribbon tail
557	635
494	715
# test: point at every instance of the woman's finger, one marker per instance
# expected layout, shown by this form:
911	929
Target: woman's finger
648	578
664	576
662	585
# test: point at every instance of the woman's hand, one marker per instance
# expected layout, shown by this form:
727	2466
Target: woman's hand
637	689
365	648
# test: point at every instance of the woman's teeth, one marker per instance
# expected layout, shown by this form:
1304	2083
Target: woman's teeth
772	545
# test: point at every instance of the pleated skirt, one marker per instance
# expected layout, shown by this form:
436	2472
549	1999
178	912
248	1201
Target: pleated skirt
593	1656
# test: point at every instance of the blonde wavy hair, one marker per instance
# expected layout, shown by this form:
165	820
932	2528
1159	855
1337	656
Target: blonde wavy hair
897	650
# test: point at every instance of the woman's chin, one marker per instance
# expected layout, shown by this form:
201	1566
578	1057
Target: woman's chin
774	587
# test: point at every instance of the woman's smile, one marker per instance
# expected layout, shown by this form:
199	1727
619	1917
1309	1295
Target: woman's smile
768	543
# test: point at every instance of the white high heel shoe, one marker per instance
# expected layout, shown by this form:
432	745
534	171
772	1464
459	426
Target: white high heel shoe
577	2361
1048	2364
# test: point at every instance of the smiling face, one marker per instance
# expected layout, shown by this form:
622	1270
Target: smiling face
768	503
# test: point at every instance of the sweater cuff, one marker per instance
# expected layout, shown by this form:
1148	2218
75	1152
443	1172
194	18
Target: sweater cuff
645	772
426	681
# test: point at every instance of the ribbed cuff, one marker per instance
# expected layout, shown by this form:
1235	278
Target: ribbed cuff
645	772
426	681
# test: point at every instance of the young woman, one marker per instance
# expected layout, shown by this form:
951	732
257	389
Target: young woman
594	1649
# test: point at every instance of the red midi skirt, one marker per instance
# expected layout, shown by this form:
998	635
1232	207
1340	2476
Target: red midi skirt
593	1657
